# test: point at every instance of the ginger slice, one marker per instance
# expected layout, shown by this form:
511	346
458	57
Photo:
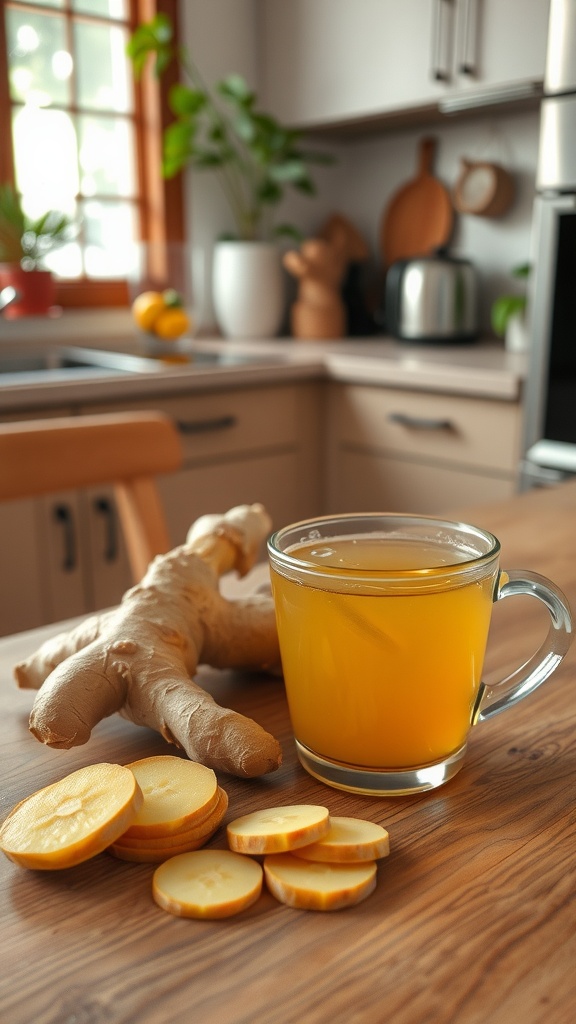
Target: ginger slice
178	794
308	885
72	819
274	829
349	841
207	884
202	831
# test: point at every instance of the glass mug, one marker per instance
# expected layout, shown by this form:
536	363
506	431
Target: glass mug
383	622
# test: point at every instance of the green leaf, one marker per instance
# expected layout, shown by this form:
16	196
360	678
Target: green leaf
291	171
235	88
522	271
153	38
288	231
503	309
305	185
244	126
185	101
269	192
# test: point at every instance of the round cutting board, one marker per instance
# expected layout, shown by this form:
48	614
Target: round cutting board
420	216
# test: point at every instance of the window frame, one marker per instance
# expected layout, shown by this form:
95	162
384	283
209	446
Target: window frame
160	200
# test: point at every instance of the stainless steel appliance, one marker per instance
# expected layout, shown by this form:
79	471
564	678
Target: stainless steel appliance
432	299
550	405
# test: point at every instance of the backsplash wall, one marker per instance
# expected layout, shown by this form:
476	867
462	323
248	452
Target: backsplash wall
223	35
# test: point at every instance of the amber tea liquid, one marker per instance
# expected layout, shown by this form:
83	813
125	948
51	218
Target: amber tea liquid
382	676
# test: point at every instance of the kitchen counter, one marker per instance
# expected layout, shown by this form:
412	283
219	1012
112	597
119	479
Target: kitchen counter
483	369
472	920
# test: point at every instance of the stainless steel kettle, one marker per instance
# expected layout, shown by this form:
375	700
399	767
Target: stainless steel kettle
432	299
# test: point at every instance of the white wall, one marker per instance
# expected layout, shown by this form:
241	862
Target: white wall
223	36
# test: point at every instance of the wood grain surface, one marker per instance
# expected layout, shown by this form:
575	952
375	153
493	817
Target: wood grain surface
473	919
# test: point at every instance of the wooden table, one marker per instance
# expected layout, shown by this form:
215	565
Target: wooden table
473	920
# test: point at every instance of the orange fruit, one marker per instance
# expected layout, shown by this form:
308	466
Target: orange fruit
146	309
171	323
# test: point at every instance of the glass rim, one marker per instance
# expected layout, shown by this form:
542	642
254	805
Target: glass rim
284	559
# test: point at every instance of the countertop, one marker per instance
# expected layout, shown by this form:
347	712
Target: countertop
483	369
472	920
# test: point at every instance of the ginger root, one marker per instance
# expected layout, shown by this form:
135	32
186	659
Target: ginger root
139	659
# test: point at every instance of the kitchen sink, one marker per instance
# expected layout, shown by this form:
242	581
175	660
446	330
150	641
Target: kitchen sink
70	361
75	363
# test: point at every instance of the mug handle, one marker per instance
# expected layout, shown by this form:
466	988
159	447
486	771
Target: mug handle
502	695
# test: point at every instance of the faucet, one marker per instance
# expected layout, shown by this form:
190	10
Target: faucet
8	295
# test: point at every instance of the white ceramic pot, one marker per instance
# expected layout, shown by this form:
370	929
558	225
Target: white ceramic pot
516	339
248	289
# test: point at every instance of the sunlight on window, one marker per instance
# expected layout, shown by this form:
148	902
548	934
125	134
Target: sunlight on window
45	183
27	39
62	64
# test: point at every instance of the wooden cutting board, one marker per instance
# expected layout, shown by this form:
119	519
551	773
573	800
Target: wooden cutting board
420	216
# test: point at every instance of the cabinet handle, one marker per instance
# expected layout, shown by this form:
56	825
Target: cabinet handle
105	508
206	426
441	37
63	515
420	422
467	62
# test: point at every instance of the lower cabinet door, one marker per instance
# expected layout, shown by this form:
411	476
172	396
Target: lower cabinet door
378	483
62	558
271	480
21	577
107	567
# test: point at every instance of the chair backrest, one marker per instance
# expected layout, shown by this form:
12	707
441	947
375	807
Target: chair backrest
125	450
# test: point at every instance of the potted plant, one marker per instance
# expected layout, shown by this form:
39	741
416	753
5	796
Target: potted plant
255	160
509	314
24	243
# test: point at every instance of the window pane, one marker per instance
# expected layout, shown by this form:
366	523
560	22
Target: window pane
44	3
103	81
106	147
117	9
109	230
39	63
46	159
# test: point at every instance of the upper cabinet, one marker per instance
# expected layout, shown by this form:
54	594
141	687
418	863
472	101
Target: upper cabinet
326	62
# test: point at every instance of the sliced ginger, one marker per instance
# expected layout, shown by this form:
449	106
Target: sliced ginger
207	884
178	794
73	819
154	851
312	886
274	829
206	827
349	841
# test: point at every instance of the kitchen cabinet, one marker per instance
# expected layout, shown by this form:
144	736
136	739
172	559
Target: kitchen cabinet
241	445
330	61
60	555
400	450
64	555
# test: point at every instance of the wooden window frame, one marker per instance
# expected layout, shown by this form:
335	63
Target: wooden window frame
160	200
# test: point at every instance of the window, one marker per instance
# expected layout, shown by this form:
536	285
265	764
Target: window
83	137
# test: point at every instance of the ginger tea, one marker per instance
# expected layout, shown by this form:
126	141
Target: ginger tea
382	673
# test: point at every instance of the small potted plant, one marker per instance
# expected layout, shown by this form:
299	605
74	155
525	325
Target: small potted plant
24	244
255	160
509	312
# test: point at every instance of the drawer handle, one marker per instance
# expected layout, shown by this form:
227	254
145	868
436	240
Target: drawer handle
103	507
206	426
420	422
63	515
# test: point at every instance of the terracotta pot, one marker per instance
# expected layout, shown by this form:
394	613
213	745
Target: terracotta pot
36	291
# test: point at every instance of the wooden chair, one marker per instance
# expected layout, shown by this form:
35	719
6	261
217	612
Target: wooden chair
126	450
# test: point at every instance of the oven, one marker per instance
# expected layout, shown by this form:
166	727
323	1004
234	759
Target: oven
550	400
